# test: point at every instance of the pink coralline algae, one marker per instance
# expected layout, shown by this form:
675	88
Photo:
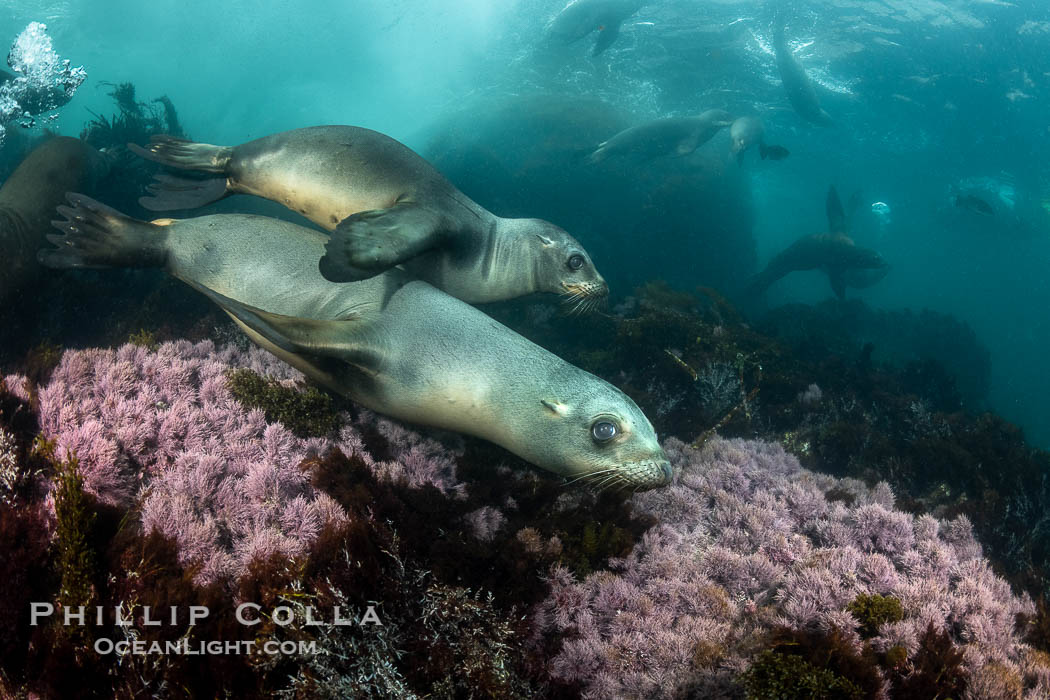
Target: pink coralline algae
748	541
161	430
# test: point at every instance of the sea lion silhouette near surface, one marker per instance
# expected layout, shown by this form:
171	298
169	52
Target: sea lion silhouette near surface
845	263
28	200
581	17
673	136
797	85
392	343
386	206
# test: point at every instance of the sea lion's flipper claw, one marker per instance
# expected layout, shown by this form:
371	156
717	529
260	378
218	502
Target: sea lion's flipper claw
369	242
169	192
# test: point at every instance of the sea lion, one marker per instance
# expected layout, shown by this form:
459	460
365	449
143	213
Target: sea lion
581	17
28	200
971	202
845	263
745	132
674	136
392	343
386	206
796	83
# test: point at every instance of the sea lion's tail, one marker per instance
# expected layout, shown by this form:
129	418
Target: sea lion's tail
96	236
170	192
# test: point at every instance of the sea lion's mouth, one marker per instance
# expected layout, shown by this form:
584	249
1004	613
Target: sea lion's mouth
631	476
584	297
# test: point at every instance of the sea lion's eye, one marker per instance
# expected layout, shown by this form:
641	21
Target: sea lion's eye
603	431
575	262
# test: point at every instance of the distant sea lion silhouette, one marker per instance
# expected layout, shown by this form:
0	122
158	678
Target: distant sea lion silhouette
796	83
392	343
845	263
975	204
745	132
387	206
581	17
673	136
28	200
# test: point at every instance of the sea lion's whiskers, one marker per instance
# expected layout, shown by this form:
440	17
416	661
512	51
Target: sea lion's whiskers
610	481
590	475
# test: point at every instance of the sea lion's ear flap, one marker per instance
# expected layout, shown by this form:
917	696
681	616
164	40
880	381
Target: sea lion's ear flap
370	242
295	335
555	407
547	242
838	283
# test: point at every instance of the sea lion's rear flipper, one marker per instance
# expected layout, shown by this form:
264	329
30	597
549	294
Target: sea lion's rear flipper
184	155
184	193
171	192
607	34
836	217
369	242
301	336
97	236
838	283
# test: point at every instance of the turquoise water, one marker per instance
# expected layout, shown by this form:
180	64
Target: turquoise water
928	98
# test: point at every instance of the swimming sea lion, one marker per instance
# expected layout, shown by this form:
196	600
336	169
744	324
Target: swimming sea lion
746	132
581	17
392	343
975	204
796	83
845	263
674	136
28	200
387	206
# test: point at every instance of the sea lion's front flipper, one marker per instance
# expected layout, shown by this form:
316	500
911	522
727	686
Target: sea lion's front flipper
838	283
606	36
836	216
687	145
369	242
301	336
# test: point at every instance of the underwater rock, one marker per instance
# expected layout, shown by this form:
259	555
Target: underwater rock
899	337
748	543
686	220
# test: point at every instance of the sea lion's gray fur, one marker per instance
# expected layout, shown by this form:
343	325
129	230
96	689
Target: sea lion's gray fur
392	343
28	200
387	206
673	136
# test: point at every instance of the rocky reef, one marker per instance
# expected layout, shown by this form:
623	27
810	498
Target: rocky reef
162	474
